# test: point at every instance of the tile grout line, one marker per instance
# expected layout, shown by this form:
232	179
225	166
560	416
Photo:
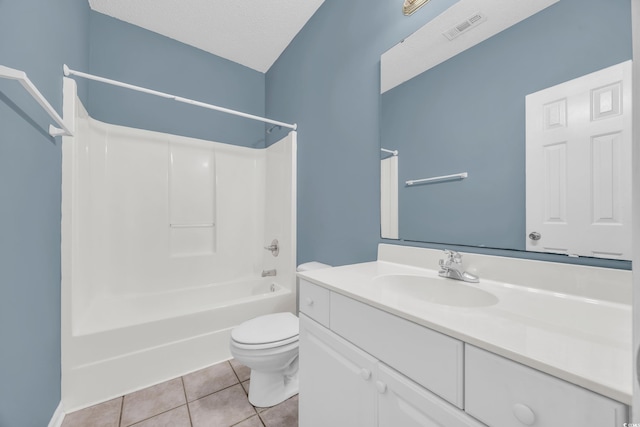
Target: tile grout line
261	420
121	411
240	382
159	413
256	412
241	421
186	399
120	421
155	415
217	391
235	373
247	393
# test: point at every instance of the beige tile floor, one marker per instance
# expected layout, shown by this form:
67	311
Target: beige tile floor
212	397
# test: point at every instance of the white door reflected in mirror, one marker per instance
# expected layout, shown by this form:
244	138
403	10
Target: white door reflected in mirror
578	151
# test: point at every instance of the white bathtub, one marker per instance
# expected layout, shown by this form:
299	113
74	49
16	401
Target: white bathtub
116	312
125	344
161	261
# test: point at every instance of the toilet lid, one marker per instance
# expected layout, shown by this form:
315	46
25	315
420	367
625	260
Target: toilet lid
266	329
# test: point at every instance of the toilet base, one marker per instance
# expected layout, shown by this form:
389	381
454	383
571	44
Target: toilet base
270	388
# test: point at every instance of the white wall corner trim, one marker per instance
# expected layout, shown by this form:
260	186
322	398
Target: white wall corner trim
635	28
58	417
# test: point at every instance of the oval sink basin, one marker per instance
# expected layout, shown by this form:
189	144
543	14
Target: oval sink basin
435	290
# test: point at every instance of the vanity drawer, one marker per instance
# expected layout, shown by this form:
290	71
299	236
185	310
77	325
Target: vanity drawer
503	393
431	359
315	302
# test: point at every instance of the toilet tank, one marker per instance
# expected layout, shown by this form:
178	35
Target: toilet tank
307	266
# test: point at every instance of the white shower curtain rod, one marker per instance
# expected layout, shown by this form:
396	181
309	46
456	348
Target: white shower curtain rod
68	71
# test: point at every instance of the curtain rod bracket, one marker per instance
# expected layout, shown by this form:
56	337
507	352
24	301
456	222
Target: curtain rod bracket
21	77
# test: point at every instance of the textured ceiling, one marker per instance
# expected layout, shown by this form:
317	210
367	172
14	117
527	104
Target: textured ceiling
250	32
428	47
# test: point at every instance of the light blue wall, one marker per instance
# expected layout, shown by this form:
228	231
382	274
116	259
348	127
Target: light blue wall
124	52
468	114
328	82
36	37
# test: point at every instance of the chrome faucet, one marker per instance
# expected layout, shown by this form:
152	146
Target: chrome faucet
451	268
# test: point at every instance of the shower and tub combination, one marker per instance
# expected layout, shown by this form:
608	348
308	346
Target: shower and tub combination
166	247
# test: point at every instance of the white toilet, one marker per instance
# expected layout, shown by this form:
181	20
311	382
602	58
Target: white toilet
269	346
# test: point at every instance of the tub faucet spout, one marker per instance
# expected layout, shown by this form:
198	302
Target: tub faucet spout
266	273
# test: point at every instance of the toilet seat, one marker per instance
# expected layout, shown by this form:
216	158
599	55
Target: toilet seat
293	341
269	331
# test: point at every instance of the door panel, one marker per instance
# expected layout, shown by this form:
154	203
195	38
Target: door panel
578	163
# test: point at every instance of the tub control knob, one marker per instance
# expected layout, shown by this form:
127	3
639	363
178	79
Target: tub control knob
365	374
382	387
309	302
524	414
274	247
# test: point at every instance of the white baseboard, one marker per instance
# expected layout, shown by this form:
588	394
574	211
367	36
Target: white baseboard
58	417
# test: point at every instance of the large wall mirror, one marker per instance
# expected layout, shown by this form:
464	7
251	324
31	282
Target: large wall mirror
460	107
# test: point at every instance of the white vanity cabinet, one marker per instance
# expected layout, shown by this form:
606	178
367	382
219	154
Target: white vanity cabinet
534	343
343	386
363	366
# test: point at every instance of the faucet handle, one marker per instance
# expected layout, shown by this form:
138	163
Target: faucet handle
450	259
452	255
274	247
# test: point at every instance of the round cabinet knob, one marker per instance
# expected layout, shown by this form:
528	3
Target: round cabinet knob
382	387
535	235
524	414
365	374
309	302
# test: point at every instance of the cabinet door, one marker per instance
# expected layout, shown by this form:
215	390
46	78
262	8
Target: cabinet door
401	402
431	359
503	393
335	380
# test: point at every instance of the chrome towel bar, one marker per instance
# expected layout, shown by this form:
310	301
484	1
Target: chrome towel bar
442	178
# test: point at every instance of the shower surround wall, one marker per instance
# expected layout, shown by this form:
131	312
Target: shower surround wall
162	240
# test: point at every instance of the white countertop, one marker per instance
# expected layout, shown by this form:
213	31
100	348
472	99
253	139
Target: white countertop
582	340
